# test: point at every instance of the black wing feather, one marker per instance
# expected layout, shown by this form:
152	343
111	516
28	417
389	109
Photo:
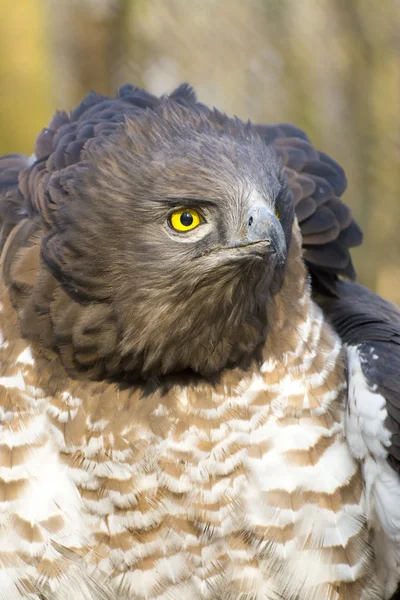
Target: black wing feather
369	322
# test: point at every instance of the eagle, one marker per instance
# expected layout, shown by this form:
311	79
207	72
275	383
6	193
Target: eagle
197	401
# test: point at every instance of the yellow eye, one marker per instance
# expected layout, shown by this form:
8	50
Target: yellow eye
278	216
185	219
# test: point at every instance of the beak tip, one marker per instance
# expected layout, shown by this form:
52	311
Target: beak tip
264	227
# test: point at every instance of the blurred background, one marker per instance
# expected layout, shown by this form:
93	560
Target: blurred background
332	67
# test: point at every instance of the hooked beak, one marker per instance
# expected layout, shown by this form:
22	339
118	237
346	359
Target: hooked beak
263	234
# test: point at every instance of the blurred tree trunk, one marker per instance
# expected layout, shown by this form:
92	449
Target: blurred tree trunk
88	40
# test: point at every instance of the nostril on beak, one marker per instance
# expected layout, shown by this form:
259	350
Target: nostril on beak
250	221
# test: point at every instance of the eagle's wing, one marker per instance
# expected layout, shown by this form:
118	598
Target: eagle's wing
370	326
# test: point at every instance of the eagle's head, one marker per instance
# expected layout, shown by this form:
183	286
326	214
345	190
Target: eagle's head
172	237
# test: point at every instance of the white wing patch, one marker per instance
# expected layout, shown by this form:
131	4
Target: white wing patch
366	415
369	439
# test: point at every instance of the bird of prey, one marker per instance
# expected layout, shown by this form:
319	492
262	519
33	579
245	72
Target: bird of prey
196	400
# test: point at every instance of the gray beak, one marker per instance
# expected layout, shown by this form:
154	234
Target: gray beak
264	230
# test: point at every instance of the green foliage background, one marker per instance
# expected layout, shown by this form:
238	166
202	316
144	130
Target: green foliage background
331	67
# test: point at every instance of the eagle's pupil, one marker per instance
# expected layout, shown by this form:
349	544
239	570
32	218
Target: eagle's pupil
186	219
